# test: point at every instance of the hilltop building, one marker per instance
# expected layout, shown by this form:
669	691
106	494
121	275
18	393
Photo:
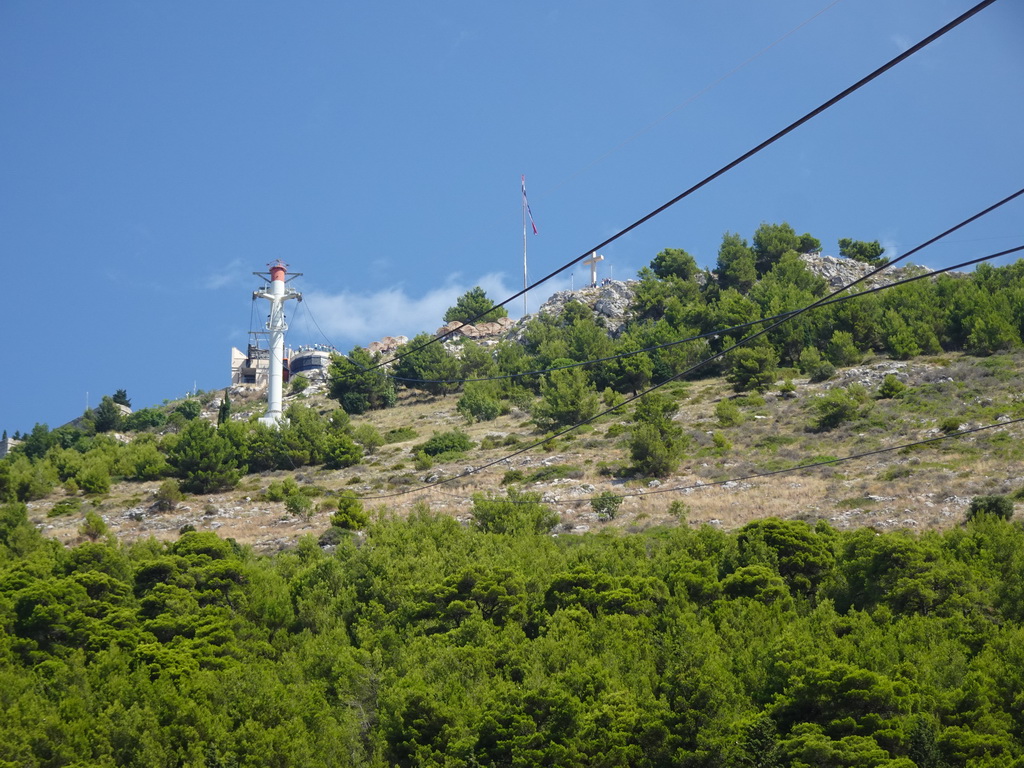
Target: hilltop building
312	361
6	444
252	367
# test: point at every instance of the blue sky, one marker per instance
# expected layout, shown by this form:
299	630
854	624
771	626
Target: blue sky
154	155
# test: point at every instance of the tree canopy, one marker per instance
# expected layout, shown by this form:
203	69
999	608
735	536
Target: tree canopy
473	305
425	642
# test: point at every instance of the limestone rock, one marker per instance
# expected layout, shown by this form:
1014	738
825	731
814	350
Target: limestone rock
839	271
386	345
478	331
610	300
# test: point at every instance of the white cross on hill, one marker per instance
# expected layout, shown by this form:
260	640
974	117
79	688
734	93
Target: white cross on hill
592	263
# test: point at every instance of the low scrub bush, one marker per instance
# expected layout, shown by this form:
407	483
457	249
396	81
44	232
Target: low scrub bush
513	476
351	515
65	507
891	387
554	472
400	435
838	406
949	425
728	413
606	505
453	442
168	495
995	506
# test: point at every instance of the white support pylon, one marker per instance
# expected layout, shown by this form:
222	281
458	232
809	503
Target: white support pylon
277	294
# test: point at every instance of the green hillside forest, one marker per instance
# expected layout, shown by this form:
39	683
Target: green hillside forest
416	639
424	642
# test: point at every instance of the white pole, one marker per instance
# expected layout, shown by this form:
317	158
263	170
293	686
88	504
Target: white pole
276	325
525	280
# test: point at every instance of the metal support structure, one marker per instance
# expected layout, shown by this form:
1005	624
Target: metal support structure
277	293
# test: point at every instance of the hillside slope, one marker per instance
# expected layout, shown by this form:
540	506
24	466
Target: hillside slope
925	487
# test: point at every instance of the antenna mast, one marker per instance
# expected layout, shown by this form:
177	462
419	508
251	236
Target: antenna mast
277	294
524	246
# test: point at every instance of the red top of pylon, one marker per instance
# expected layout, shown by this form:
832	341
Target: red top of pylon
278	270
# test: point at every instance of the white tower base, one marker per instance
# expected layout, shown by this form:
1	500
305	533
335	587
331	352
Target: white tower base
276	325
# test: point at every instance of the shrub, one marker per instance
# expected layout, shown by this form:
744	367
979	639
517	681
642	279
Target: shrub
616	430
65	507
94	479
350	515
491	441
331	537
400	435
995	506
753	368
814	367
606	505
454	441
282	490
144	418
518	512
189	409
554	472
657	442
203	459
567	397
423	461
823	371
721	442
369	437
168	495
299	383
895	473
751	400
341	451
478	402
107	417
357	385
652	454
93	527
299	505
842	351
513	476
891	387
810	358
728	413
836	407
949	425
679	510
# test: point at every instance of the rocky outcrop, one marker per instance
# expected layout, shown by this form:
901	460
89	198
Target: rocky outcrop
610	300
455	328
839	271
386	345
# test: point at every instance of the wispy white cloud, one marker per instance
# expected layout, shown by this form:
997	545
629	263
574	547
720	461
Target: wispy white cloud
901	42
892	249
229	274
348	319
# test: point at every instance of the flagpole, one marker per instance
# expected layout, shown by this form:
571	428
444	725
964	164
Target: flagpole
523	179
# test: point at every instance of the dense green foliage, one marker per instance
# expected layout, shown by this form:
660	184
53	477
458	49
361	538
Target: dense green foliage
429	643
472	306
869	253
203	458
358	385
